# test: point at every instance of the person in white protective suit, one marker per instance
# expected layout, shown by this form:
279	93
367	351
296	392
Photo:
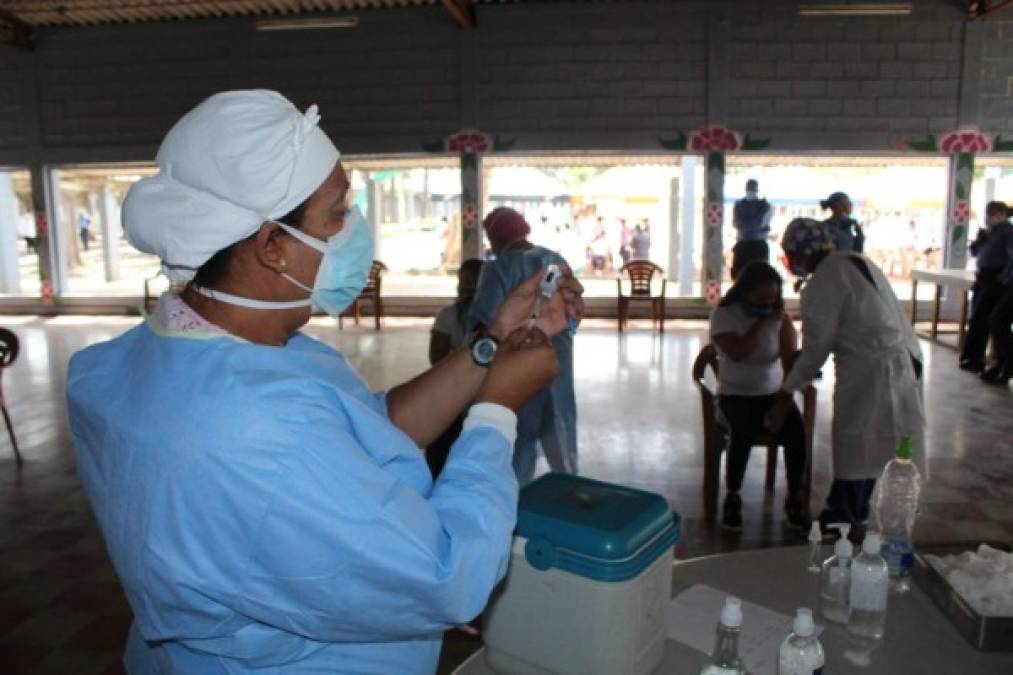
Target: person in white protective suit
850	311
265	511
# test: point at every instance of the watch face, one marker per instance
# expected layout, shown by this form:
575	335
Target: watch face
484	350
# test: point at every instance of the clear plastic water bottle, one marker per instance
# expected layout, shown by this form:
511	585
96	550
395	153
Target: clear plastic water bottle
801	652
896	508
725	658
835	578
870	586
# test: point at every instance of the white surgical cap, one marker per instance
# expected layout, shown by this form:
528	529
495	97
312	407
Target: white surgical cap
238	159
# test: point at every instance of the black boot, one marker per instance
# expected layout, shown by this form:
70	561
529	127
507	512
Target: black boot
999	375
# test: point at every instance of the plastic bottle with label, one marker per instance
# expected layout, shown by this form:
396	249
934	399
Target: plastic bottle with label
870	586
835	578
896	508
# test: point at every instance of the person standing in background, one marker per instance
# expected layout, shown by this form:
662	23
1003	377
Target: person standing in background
84	228
989	249
641	244
548	420
847	233
999	323
751	217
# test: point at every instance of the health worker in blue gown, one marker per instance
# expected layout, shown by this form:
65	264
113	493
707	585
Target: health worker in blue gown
264	510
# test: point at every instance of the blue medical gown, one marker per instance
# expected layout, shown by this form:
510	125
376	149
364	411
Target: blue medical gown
550	419
263	513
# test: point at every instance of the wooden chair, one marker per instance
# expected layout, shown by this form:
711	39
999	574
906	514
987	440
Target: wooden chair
640	274
372	293
9	348
716	435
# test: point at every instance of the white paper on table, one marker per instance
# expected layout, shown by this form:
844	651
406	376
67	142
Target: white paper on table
693	617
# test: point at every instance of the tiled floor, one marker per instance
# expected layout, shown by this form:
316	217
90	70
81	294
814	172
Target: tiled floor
61	610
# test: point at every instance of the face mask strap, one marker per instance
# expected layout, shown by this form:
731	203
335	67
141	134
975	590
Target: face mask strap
295	282
250	303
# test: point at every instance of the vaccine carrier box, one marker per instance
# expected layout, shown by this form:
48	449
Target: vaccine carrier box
589	582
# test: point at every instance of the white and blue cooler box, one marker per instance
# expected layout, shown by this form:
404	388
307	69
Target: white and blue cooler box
589	581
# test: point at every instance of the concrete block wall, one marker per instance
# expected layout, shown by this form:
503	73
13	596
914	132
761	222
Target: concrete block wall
996	79
855	82
384	86
14	69
551	76
590	75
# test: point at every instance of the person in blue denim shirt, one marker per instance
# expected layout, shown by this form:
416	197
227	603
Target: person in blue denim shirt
847	233
999	323
990	250
549	420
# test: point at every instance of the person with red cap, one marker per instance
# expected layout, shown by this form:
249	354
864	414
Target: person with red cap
550	419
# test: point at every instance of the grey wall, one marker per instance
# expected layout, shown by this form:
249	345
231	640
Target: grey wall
550	76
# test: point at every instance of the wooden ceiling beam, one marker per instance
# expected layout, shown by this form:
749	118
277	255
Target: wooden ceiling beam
463	12
981	8
14	32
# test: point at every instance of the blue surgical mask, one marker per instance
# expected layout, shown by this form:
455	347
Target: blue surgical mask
343	272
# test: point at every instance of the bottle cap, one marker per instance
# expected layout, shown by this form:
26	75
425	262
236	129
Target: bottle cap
815	536
872	543
803	626
731	614
843	548
904	448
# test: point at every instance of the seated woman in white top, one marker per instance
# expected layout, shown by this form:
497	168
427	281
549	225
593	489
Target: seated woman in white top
754	339
448	334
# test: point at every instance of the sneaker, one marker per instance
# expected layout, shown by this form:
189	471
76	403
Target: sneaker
731	518
796	515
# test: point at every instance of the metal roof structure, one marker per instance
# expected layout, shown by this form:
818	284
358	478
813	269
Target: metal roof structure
39	13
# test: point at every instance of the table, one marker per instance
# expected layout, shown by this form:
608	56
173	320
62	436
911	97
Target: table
962	280
919	639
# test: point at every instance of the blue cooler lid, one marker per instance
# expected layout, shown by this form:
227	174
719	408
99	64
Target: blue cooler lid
598	530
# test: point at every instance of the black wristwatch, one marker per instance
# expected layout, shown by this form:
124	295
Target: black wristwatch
483	348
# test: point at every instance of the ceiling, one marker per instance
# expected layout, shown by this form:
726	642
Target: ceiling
32	13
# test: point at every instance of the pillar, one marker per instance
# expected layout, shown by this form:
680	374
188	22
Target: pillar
687	227
713	217
674	240
958	211
373	205
471	205
10	278
109	215
44	206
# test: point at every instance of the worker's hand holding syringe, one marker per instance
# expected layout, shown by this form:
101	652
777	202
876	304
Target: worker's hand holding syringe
550	300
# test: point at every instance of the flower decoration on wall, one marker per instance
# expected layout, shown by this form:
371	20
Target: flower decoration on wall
961	212
715	213
469	215
712	292
469	142
47	290
959	141
714	138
